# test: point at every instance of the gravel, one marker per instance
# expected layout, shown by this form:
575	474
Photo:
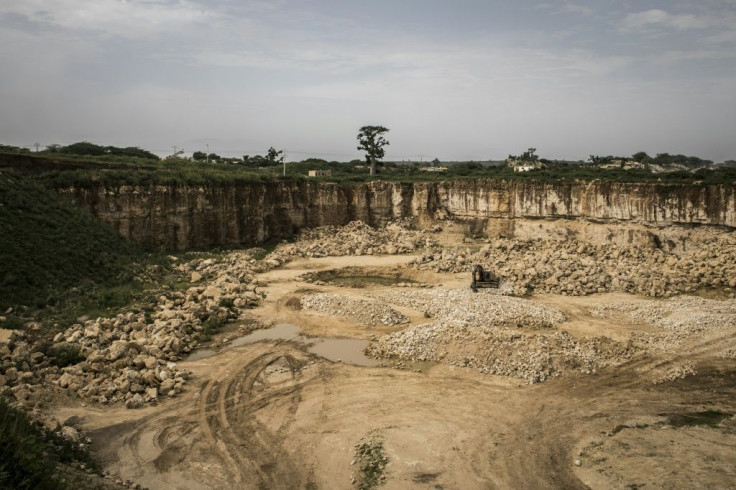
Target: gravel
366	312
484	308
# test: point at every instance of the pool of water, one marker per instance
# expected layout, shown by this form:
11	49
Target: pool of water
201	354
280	331
342	350
349	351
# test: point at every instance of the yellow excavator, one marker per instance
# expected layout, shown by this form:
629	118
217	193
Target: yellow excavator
483	279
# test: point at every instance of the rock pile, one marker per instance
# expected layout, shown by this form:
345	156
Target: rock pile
579	269
355	238
131	357
533	357
490	332
365	312
486	308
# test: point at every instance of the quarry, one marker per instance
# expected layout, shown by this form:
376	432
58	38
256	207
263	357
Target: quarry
606	358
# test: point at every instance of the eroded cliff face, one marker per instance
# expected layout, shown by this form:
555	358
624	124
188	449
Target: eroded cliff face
182	217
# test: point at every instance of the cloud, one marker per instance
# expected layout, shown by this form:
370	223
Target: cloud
573	8
122	18
656	17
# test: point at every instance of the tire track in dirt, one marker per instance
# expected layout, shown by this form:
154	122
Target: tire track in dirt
248	447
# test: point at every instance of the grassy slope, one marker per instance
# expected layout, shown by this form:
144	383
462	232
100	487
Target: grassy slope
48	245
30	457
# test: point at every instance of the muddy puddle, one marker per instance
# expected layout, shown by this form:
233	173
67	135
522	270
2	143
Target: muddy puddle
349	351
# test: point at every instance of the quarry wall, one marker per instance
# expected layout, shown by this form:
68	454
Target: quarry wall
179	217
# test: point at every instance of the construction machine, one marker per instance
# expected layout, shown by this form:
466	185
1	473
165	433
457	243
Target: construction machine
483	279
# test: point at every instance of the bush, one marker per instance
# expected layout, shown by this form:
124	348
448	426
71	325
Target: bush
227	302
63	354
29	455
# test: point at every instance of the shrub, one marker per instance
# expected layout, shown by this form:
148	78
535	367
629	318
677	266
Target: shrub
64	354
29	454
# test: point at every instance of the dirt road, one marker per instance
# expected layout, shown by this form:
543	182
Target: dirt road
272	415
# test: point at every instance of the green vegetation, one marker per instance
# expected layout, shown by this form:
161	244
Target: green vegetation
372	142
85	148
210	327
372	464
30	455
60	170
49	244
57	262
63	354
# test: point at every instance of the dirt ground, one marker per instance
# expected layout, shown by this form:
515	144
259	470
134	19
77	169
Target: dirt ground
272	415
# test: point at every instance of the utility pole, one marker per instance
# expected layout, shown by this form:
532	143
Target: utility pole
36	145
174	147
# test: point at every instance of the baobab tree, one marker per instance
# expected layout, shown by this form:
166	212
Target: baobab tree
372	142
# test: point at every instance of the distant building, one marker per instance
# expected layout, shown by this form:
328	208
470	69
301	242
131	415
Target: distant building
523	165
320	173
433	169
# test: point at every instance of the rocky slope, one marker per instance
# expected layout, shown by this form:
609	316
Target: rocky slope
181	217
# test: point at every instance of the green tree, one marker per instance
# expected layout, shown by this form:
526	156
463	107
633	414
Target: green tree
275	157
199	156
372	142
83	148
641	157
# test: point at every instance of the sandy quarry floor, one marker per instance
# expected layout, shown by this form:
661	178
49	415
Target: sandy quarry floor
272	415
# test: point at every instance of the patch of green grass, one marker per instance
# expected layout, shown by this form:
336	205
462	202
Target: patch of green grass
47	244
29	454
373	461
57	262
227	302
210	327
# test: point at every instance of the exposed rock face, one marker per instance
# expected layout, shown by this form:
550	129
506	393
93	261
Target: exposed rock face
180	217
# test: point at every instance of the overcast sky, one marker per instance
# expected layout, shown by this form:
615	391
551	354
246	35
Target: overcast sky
456	80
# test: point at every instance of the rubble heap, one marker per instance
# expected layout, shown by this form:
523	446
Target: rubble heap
490	332
365	312
485	308
131	357
355	238
571	268
533	357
